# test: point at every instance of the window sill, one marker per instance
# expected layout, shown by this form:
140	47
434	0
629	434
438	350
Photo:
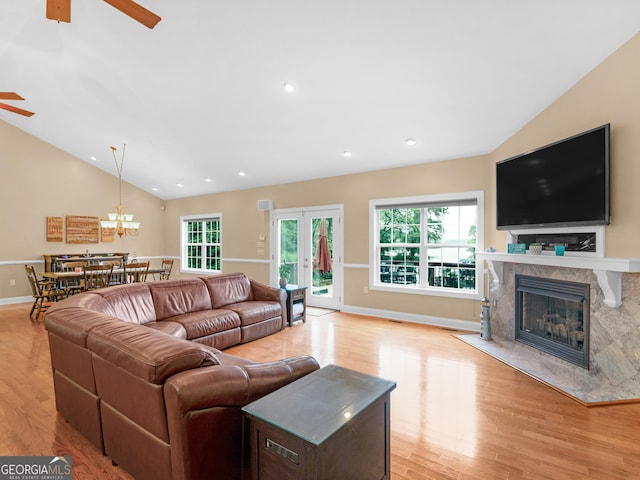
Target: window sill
434	292
199	271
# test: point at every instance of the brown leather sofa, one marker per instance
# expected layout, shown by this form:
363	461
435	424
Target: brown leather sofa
138	370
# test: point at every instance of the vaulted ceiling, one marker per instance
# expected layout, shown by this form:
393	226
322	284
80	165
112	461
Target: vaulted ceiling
200	97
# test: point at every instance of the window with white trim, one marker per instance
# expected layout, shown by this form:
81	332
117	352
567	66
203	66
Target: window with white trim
201	242
427	244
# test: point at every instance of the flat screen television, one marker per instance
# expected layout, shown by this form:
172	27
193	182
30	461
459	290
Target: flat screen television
565	183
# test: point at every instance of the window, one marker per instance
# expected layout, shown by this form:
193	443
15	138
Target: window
427	244
200	245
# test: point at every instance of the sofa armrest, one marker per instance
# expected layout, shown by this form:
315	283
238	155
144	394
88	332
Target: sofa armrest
272	294
267	292
232	385
204	413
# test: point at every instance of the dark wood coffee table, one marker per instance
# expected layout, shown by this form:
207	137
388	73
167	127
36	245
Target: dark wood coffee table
331	424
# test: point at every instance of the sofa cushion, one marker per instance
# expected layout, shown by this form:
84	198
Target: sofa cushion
147	353
228	288
206	322
130	302
254	312
174	329
177	297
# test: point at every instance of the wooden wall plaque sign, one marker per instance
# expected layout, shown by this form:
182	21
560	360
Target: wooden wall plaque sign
108	234
55	229
83	229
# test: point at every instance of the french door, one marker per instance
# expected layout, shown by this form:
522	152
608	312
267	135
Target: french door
307	251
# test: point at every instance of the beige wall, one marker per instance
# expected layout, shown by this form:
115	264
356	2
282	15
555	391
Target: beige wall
38	180
242	223
608	94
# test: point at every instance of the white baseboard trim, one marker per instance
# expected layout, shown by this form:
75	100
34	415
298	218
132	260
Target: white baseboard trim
415	318
12	300
371	312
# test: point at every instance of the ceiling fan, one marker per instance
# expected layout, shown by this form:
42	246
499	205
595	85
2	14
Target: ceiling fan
60	10
11	108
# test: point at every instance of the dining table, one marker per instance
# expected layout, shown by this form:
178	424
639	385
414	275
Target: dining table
78	275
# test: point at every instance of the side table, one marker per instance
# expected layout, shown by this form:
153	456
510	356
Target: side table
331	424
296	303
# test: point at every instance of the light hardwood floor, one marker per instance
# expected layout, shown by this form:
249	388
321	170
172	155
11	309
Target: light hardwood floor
456	413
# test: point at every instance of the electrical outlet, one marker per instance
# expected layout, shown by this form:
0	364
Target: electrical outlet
12	283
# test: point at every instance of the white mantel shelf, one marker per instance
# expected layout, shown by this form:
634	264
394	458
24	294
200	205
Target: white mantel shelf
608	270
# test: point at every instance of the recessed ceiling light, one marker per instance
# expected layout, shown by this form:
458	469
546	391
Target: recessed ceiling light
410	141
288	87
347	154
93	158
208	180
155	189
242	174
179	185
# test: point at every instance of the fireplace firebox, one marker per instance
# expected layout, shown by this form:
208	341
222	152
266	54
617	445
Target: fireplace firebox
553	316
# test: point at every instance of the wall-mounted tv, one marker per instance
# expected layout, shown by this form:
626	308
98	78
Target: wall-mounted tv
565	183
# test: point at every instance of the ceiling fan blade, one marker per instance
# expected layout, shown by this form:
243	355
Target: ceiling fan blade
59	10
136	11
10	96
17	110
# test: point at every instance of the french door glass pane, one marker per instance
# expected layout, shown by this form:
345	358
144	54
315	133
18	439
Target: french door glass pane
322	255
289	255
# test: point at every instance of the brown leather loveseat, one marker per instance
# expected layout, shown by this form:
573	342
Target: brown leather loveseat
137	369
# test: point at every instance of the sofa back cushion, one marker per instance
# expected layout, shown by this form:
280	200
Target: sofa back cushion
229	288
177	297
147	353
131	302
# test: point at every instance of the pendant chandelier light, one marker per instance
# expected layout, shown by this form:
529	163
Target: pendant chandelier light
120	222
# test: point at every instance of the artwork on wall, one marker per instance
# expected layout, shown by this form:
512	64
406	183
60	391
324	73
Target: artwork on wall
107	234
55	229
82	229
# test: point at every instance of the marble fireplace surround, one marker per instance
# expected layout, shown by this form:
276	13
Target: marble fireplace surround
614	373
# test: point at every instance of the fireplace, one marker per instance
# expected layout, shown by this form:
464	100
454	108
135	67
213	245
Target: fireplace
553	316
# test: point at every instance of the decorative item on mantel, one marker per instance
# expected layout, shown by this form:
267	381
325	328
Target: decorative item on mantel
119	222
535	248
516	248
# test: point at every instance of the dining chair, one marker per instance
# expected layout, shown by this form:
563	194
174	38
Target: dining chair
75	285
136	272
43	292
167	265
97	276
71	265
118	277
